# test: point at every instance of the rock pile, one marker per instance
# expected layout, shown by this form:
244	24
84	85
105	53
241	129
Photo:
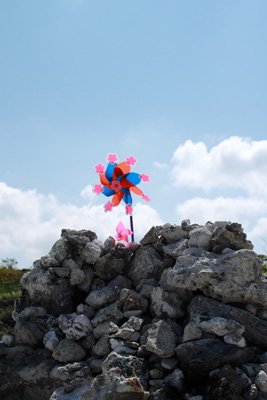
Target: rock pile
182	315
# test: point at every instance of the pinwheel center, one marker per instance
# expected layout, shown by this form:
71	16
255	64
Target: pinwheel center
116	186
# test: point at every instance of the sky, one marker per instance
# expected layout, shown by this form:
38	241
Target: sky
179	85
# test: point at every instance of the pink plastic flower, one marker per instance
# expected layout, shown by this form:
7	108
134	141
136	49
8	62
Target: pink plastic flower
112	158
99	169
115	185
146	198
145	178
129	210
122	233
98	189
130	160
108	206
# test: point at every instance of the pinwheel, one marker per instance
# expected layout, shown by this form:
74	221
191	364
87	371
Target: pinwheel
118	181
122	233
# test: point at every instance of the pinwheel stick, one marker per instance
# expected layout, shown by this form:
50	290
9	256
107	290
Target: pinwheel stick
132	228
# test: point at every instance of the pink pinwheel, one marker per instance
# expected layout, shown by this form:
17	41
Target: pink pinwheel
122	233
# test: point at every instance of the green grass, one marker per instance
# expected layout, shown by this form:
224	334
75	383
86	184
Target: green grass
9	291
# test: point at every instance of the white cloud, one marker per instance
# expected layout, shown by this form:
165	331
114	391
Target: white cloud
234	174
235	162
160	165
88	194
32	222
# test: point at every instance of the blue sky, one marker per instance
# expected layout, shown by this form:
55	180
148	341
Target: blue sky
180	85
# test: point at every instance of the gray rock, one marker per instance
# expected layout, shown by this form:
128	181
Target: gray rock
220	326
55	295
156	373
230	236
105	328
76	394
37	372
251	393
201	356
91	252
150	237
89	277
30	332
113	385
134	301
255	328
102	347
175	379
146	264
30	312
88	342
169	363
235	338
165	304
100	298
200	237
130	366
261	381
60	250
96	365
191	332
8	340
108	267
68	351
172	233
176	249
69	373
134	323
232	277
86	310
161	340
51	339
83	234
75	326
111	312
77	277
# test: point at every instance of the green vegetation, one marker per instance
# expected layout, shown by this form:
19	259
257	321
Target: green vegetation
263	258
9	291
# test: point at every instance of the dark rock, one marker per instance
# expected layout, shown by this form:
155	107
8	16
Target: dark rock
108	267
255	328
199	357
68	351
146	264
227	385
231	237
161	339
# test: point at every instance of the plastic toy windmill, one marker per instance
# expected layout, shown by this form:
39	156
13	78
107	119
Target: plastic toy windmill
118	181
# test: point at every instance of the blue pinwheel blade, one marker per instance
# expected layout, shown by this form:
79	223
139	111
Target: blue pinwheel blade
108	192
109	171
133	177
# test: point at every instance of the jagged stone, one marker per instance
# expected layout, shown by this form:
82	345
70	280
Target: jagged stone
77	277
150	237
69	373
111	312
165	304
106	328
172	233
232	277
235	338
176	249
255	328
89	275
201	356
230	236
161	340
30	332
108	267
200	237
75	326
91	252
51	339
68	351
45	290
100	298
146	264
220	326
191	332
102	347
